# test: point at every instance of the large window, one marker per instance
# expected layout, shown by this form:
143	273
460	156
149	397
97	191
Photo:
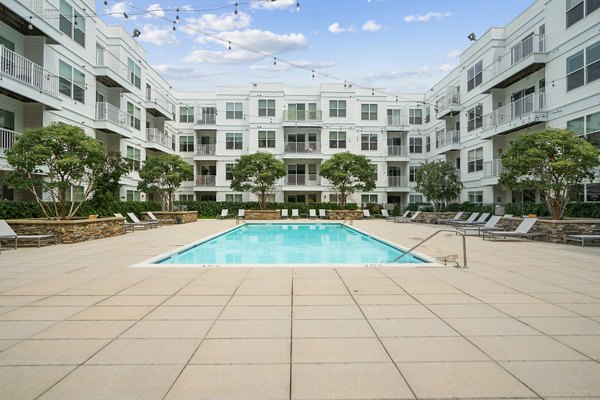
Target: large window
7	120
72	23
375	176
369	199
412	173
576	9
134	116
368	112
368	141
588	126
233	197
415	145
135	156
133	195
427	114
475	160
428	144
394	117
337	140
474	118
266	139
186	143
186	197
583	67
135	73
234	111
474	76
186	114
476	196
302	112
415	116
71	82
229	171
415	198
266	108
233	141
337	108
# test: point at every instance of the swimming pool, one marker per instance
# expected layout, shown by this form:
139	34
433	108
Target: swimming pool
287	244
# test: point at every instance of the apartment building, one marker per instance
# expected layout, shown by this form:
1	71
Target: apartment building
59	64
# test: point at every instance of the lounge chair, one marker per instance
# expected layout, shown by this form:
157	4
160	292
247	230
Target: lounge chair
284	213
312	213
413	217
366	214
468	221
489	225
241	214
480	221
384	214
161	221
403	216
295	213
523	230
322	213
224	213
582	238
449	221
6	232
136	220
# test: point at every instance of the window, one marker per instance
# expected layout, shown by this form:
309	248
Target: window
374	166
266	139
298	112
415	116
369	199
133	195
334	198
474	76
266	108
229	171
475	118
476	196
592	62
588	126
75	193
427	114
368	112
475	160
577	125
72	23
233	197
575	71
186	197
186	143
186	114
368	141
415	198
337	108
428	144
71	82
7	121
412	173
415	145
394	118
233	141
337	140
135	156
135	73
234	111
576	10
134	116
583	67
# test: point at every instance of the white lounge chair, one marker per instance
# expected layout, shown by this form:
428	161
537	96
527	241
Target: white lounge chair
413	217
523	230
322	213
451	220
384	214
136	220
160	221
489	225
312	213
366	214
241	213
224	213
6	232
582	238
295	213
468	221
130	226
403	216
284	213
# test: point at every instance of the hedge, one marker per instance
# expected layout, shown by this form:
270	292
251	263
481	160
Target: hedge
212	209
26	209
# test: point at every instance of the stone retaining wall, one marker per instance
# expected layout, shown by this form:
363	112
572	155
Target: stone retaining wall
73	231
344	214
184	216
262	214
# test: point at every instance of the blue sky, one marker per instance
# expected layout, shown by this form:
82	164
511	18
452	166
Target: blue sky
403	45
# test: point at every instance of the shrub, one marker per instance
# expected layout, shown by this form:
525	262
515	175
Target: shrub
212	209
26	209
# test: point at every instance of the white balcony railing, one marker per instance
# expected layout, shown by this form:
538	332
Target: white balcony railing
302	147
492	168
206	149
206	180
446	139
301	180
105	58
302	115
160	99
398	151
528	46
397	120
156	136
31	74
398	181
7	139
110	113
201	118
532	103
450	98
45	10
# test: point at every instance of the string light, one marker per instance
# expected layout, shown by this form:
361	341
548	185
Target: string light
125	15
177	16
235	12
30	26
229	45
174	22
274	60
298	6
313	74
106	5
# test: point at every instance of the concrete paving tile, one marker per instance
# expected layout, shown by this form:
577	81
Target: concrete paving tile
338	350
411	327
28	382
208	289
184	312
5	344
84	330
525	348
103	382
573	298
358	289
384	311
263	287
465	311
422	349
146	351
449	298
348	381
316	290
146	329
181	300
240	329
534	310
384	299
54	301
426	288
4	310
343	300
8	301
260	300
327	312
462	380
243	382
315	328
559	378
114	313
51	352
587	310
243	351
29	313
505	298
564	325
256	312
22	329
133	301
588	345
490	327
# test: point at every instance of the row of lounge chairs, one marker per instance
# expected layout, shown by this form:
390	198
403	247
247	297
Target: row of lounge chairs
312	213
150	223
8	234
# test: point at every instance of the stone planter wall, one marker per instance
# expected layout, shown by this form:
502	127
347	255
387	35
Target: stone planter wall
185	216
262	214
73	231
344	214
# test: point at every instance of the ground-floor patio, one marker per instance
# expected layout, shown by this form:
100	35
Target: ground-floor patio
523	321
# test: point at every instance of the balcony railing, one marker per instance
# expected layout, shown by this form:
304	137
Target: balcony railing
302	115
206	180
45	10
447	139
206	149
301	179
530	45
156	136
7	139
105	58
108	112
398	181
451	98
492	168
158	98
532	103
31	74
398	151
205	119
302	147
398	120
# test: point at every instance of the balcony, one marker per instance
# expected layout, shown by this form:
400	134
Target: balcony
397	121
301	180
157	105
26	81
203	119
523	59
397	151
111	72
45	16
519	114
398	181
206	149
304	117
7	140
206	180
449	103
491	171
113	120
447	141
159	140
303	147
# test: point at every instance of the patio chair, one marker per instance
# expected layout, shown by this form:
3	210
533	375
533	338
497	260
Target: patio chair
322	213
366	214
136	220
590	237
241	214
413	217
450	220
161	221
224	213
489	225
295	213
384	214
523	230
312	213
393	219
284	213
468	221
6	232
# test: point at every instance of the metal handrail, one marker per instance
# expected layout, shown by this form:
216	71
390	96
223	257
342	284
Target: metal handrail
349	219
432	235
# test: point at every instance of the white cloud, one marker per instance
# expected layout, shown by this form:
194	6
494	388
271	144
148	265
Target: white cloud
272	4
371	26
178	72
427	17
218	23
336	28
222	57
453	54
118	10
296	63
423	72
155	10
158	36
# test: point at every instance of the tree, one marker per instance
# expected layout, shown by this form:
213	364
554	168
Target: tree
257	173
439	181
553	161
106	188
165	174
348	173
57	159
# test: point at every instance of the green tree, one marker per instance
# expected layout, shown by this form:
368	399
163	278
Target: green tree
257	173
165	174
553	161
439	181
62	161
106	188
348	173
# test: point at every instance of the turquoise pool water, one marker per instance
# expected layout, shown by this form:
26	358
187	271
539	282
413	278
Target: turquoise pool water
290	244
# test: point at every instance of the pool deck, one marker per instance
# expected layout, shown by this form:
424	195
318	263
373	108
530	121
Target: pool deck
523	321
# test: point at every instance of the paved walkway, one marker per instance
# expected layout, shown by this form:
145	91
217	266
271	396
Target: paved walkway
522	322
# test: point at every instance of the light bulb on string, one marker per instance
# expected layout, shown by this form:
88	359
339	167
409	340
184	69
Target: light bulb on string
30	26
125	15
313	74
177	16
106	5
297	6
235	12
274	60
229	45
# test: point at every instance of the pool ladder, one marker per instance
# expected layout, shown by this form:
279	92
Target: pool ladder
464	246
349	219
